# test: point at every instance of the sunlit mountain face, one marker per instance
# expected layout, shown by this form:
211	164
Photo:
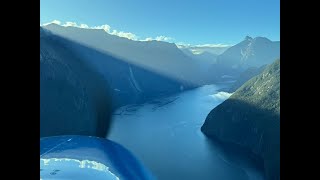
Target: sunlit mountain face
249	53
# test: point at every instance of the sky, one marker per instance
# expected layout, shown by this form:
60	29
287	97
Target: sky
180	21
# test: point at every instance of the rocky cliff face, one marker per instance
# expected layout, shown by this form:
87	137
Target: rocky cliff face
251	52
251	118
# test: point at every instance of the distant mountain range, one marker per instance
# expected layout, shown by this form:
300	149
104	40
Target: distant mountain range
199	49
204	59
251	118
251	52
204	55
141	70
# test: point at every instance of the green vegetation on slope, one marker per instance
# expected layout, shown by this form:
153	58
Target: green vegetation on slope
245	76
251	118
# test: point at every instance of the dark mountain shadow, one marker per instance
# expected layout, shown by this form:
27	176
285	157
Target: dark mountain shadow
250	130
236	155
129	80
80	87
74	98
157	56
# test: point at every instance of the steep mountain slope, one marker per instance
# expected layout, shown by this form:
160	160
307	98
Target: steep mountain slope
128	82
251	118
251	52
74	98
157	56
245	76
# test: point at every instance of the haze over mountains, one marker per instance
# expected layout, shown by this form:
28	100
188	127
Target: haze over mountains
209	48
206	54
138	71
251	52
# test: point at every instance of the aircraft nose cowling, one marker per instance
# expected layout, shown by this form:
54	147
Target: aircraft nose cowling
83	157
74	97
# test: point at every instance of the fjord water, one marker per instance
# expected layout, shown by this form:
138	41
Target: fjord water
165	135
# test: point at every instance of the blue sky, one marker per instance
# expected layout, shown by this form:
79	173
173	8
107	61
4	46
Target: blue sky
187	21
